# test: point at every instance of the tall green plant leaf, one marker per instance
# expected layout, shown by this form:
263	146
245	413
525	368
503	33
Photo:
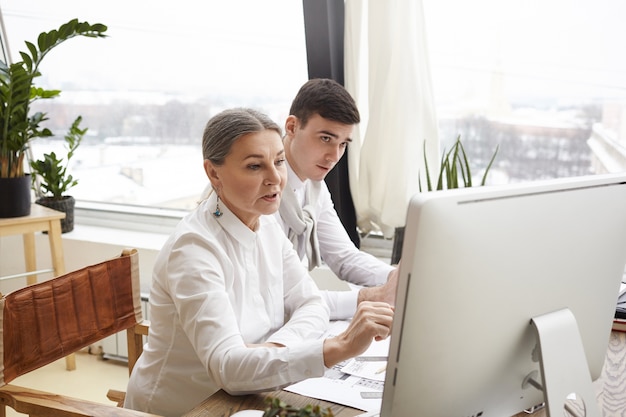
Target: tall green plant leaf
493	157
17	92
454	164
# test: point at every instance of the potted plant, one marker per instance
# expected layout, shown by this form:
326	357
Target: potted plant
454	164
51	179
278	408
17	125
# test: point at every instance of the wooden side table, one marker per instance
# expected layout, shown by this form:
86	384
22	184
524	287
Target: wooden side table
41	219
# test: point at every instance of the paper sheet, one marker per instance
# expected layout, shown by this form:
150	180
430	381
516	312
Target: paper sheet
356	383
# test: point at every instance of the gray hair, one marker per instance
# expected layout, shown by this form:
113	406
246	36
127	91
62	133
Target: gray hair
223	129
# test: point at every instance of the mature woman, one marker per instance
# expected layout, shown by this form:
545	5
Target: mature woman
231	305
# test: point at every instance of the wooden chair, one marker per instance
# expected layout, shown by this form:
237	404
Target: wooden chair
47	321
134	340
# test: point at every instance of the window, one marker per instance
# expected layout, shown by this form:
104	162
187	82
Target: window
146	91
544	81
538	78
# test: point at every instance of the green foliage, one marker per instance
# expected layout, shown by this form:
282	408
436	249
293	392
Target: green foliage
278	408
52	171
17	92
454	164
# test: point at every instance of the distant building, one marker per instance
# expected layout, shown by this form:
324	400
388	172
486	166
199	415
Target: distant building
608	139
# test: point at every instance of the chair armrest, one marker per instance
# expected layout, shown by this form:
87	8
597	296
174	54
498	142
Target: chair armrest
134	341
117	397
143	327
34	402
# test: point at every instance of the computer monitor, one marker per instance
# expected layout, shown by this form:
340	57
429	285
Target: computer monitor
485	270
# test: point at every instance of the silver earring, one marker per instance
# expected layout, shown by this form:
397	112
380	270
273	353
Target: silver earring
217	212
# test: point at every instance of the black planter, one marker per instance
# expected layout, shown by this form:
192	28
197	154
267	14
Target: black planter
398	242
65	205
15	196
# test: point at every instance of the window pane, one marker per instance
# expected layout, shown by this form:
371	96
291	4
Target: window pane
146	91
538	78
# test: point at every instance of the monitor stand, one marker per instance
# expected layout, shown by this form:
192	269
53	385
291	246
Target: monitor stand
563	363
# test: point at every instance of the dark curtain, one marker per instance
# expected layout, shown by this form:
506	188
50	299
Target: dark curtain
324	28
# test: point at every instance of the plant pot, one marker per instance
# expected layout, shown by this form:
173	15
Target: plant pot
65	205
398	241
15	200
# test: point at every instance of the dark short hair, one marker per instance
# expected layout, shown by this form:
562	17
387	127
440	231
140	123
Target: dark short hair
327	98
223	129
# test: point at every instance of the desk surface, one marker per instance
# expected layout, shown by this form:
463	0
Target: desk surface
610	389
221	404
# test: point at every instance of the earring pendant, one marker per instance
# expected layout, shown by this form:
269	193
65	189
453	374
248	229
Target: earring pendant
217	213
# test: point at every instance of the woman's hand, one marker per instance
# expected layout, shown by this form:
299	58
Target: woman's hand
372	321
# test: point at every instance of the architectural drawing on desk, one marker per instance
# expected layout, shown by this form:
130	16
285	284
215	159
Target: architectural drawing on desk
362	375
368	367
356	383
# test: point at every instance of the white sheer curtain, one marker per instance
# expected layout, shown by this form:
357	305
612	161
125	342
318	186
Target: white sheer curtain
387	71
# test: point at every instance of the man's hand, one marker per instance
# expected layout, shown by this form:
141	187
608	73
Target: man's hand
385	293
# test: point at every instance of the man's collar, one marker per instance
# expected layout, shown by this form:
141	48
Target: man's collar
293	181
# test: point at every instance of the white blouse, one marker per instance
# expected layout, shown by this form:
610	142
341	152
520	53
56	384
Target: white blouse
217	286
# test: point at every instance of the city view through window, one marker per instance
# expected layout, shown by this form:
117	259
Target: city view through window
533	79
146	91
544	81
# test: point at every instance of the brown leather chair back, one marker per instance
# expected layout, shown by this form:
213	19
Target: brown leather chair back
47	321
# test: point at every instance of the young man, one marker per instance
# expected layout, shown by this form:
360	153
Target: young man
317	132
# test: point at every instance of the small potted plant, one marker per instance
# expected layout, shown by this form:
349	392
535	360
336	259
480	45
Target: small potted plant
454	163
454	172
18	125
277	408
51	180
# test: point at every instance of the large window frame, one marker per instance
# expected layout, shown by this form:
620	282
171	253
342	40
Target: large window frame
323	21
151	218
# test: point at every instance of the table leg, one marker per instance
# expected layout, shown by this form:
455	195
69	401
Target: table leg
56	247
70	362
30	257
58	263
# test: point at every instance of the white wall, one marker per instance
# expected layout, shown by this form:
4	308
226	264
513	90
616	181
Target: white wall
87	245
84	246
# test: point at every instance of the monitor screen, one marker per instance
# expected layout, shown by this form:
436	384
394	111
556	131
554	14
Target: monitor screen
484	271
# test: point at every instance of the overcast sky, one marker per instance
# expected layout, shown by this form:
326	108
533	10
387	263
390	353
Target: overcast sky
176	45
572	48
568	47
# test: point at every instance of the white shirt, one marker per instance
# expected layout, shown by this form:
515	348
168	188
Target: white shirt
218	286
337	251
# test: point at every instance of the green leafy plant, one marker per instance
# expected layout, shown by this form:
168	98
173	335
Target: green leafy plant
454	165
454	172
17	92
278	408
51	177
